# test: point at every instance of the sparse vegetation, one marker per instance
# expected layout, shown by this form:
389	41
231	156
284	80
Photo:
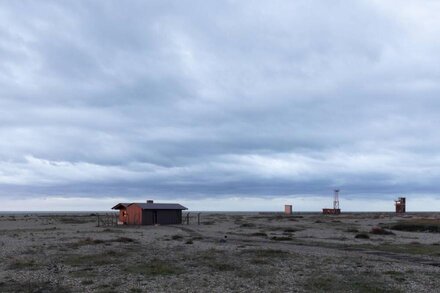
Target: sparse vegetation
90	259
91	241
23	264
281	238
262	234
155	267
32	286
247	225
321	282
290	230
215	260
74	219
380	231
208	223
267	257
352	230
362	236
417	225
411	248
265	252
123	240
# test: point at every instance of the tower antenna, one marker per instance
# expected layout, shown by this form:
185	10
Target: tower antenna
336	200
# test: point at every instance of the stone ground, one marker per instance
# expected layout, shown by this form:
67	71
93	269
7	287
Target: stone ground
227	252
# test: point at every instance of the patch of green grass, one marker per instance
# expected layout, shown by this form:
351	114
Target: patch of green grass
399	276
109	230
413	248
290	230
321	282
216	260
155	267
417	225
247	225
32	286
283	229
266	252
176	237
123	240
91	241
74	219
281	238
352	230
23	264
208	223
260	261
90	259
222	266
83	273
262	234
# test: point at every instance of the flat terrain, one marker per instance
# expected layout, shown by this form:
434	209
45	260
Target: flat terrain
227	252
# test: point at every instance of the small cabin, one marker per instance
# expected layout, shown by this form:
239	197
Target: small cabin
149	213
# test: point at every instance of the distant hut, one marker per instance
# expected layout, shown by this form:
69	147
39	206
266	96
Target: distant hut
288	209
149	213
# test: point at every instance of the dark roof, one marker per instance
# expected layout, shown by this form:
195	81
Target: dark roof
159	206
119	205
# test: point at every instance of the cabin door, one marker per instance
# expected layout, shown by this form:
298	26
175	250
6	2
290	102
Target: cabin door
154	217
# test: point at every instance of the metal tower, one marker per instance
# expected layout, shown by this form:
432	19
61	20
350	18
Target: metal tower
336	200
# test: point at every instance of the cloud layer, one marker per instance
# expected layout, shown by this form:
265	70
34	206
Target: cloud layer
216	99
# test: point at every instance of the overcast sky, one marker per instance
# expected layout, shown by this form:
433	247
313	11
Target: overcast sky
221	100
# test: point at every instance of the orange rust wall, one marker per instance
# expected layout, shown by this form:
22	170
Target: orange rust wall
122	218
134	215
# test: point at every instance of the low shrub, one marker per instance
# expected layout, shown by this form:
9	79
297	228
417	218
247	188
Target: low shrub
259	234
155	267
281	238
176	237
380	231
362	236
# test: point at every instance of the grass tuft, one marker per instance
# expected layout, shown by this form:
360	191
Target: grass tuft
155	267
418	225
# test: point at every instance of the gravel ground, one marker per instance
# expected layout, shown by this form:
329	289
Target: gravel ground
228	252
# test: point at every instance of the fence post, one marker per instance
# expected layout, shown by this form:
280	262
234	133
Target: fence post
198	218
98	219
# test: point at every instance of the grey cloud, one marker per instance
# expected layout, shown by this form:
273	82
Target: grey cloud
213	98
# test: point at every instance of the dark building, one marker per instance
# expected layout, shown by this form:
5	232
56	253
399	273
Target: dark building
331	211
149	213
400	205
